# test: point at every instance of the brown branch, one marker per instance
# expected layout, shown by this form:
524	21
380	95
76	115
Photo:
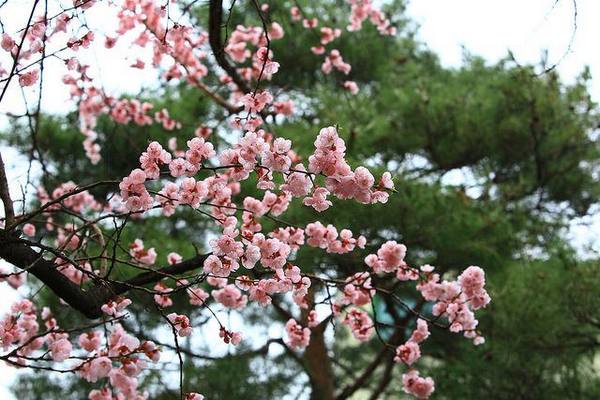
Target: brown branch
88	302
215	20
370	369
9	212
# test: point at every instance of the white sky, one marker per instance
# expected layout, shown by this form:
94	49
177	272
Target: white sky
484	27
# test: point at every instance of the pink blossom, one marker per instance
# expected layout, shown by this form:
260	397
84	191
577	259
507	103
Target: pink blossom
389	257
295	12
60	350
174	258
421	332
90	341
140	254
230	337
417	386
114	308
276	31
329	34
29	78
265	63
351	86
297	184
318	200
99	368
359	323
162	299
197	296
7	42
310	23
230	297
181	323
256	102
358	289
298	336
29	229
407	353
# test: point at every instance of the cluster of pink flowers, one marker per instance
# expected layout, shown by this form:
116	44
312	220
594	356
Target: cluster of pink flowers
134	193
115	307
230	296
298	336
77	202
153	158
329	160
363	9
389	258
416	385
197	296
198	151
318	200
19	326
457	300
327	237
408	353
162	297
181	324
230	337
125	111
77	273
238	162
335	60
140	254
358	289
240	44
121	362
256	102
359	323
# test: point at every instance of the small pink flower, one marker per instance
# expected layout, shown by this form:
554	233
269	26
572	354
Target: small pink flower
181	323
60	350
297	335
7	42
29	78
408	353
351	86
29	229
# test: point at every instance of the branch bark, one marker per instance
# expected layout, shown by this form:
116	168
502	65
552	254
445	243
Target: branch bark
317	358
9	211
215	20
86	301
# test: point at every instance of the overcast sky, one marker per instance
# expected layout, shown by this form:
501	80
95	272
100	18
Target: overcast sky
488	28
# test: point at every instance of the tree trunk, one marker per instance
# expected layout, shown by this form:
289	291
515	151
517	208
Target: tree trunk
317	360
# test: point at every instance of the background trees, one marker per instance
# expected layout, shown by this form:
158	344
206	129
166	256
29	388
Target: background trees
490	162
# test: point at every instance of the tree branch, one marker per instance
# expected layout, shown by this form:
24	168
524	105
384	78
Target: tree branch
9	212
215	20
88	302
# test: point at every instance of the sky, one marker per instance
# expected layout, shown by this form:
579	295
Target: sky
488	28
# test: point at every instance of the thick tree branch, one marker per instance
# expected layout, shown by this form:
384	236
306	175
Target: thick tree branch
370	369
88	302
215	20
9	212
